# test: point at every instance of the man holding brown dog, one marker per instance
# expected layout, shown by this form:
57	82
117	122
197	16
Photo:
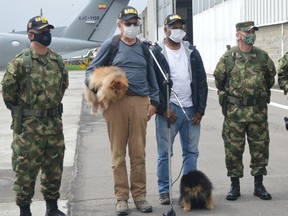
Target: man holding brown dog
127	119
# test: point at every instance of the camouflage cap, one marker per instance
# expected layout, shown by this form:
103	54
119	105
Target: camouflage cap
170	19
246	26
127	13
37	23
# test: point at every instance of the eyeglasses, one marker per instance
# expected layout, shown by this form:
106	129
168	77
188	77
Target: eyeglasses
128	24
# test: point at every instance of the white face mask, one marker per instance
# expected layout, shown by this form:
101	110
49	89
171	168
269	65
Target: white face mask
131	31
177	35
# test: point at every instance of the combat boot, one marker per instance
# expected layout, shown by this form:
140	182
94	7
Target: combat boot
25	210
52	208
234	192
259	189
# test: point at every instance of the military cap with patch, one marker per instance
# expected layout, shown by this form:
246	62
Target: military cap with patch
170	19
127	13
37	23
246	26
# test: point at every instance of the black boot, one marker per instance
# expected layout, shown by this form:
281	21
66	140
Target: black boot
259	189
52	208
25	210
234	192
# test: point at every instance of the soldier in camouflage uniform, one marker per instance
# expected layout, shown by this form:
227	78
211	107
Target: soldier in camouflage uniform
283	73
33	87
244	76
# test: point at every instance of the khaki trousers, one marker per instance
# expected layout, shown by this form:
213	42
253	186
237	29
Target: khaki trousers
126	123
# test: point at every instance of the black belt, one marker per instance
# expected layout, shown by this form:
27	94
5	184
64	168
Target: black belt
244	102
44	112
131	94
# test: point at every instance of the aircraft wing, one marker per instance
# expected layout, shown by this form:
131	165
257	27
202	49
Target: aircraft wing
94	24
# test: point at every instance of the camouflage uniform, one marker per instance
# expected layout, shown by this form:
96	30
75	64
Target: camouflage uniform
40	143
283	73
245	82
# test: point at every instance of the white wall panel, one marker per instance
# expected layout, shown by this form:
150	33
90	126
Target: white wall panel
214	29
266	12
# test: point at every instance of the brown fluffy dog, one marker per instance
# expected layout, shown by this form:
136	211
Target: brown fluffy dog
196	191
110	83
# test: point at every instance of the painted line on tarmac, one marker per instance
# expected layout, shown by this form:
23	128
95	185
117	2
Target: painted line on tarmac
278	105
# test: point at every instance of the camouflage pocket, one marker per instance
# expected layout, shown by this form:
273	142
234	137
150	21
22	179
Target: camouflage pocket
264	99
17	119
222	97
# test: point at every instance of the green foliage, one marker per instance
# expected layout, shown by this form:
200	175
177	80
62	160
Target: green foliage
73	67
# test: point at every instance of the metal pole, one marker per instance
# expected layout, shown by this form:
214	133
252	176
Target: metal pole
167	80
192	34
174	7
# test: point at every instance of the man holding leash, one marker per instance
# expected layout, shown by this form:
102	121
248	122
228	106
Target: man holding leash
183	64
33	87
244	76
127	119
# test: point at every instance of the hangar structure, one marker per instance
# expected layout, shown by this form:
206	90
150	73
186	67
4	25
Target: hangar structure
211	24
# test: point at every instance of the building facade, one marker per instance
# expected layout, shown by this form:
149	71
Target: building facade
212	26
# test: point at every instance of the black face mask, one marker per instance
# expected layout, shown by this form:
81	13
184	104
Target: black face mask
43	38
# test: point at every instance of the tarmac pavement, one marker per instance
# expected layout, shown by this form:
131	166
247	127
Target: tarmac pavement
87	186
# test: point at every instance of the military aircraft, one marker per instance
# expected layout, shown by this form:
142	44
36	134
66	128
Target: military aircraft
95	23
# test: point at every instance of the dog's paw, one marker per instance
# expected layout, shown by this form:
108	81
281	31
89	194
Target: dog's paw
93	111
186	209
186	206
105	104
210	207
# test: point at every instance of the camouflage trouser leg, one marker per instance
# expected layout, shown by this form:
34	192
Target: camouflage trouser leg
258	140
234	139
30	154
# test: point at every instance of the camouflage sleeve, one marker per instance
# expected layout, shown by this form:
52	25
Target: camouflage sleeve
283	73
65	75
220	73
270	79
9	82
66	79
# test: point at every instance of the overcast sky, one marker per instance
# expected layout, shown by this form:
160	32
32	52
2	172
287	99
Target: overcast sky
14	14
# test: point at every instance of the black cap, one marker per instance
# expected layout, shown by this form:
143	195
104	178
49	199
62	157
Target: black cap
128	13
37	23
173	18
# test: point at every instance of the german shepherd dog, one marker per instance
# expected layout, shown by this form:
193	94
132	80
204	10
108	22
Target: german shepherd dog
110	85
195	191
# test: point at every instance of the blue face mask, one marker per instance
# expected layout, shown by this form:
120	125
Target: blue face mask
43	38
